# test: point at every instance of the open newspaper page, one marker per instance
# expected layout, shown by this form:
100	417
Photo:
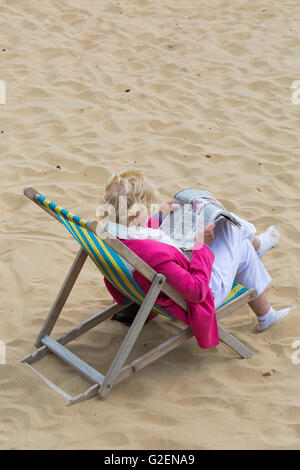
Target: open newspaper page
198	209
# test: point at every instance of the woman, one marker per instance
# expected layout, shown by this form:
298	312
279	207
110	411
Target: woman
228	254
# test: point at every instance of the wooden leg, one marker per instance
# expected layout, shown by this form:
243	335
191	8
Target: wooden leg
233	343
62	296
132	334
154	354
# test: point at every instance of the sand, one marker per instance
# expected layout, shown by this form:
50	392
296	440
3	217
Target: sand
196	94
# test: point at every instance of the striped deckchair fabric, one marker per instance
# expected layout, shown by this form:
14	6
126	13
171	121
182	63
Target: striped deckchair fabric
113	259
111	265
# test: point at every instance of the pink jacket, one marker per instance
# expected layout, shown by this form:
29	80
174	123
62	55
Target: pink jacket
190	279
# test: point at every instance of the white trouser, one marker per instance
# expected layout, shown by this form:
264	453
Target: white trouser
235	260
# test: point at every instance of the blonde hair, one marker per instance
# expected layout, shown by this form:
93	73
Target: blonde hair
139	194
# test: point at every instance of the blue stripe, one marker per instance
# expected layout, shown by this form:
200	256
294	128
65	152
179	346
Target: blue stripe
64	212
52	206
76	219
240	292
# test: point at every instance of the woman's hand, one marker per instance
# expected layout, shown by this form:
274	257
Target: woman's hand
205	234
168	207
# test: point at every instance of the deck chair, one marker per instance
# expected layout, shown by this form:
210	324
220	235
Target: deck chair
112	258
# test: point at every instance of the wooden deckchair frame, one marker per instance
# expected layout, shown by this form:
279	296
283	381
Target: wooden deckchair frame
118	371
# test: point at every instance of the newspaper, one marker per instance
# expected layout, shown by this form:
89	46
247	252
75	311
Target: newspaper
198	208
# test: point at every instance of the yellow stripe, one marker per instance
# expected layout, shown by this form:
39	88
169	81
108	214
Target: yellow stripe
70	216
233	292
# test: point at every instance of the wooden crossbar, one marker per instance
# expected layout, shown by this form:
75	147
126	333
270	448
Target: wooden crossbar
73	360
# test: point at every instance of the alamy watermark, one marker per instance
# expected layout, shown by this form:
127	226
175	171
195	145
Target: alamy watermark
2	92
184	225
2	343
295	98
296	355
2	352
